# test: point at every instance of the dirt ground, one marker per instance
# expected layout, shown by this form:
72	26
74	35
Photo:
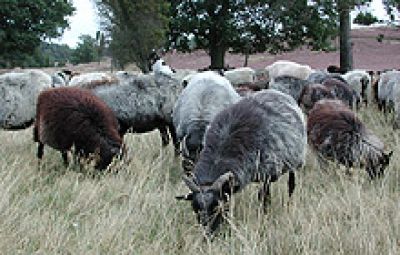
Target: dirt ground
368	54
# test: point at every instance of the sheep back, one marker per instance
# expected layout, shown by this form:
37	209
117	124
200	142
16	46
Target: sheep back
288	68
289	85
261	135
143	103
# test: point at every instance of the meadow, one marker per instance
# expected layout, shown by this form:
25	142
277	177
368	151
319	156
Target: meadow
131	209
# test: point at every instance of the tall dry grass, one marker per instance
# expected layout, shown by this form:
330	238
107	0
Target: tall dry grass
133	211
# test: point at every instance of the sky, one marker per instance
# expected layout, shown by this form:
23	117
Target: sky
86	21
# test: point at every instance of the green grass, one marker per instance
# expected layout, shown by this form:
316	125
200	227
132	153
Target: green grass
132	210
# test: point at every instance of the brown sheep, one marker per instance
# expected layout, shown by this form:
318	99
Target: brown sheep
67	117
335	133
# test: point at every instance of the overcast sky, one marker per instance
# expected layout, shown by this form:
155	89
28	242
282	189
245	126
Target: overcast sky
85	20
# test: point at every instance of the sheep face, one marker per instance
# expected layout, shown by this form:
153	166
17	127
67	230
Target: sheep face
209	202
377	169
107	152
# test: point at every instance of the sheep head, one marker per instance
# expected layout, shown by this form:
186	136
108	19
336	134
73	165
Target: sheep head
378	169
208	201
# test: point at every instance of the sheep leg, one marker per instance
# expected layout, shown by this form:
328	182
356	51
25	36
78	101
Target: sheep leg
264	194
291	183
164	135
65	158
174	137
40	153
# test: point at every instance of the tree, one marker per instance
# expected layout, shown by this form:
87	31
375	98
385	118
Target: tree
365	19
250	26
346	53
135	28
25	23
100	41
86	51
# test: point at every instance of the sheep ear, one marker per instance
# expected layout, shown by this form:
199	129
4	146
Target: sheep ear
389	155
187	197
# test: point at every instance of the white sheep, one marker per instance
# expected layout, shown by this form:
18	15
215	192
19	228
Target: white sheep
160	67
206	95
360	81
386	84
83	80
18	96
241	76
288	68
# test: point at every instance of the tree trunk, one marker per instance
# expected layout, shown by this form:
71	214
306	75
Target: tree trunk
246	59
346	54
217	54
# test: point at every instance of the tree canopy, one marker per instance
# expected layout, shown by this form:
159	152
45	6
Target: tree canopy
136	28
25	23
86	51
252	26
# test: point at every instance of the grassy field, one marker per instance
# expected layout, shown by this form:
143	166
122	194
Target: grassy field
132	210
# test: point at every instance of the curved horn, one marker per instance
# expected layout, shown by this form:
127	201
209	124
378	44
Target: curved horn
191	184
185	151
217	185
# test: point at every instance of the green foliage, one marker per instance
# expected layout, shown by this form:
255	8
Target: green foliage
135	27
86	51
25	23
365	19
251	26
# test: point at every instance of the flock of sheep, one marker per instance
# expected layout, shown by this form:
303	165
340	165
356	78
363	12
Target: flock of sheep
230	128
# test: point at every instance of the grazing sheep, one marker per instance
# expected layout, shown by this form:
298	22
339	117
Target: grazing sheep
206	95
144	104
343	92
288	68
360	81
240	76
335	133
386	84
67	117
257	139
289	85
312	94
18	95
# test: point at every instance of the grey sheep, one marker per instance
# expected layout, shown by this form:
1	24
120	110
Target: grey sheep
289	85
206	95
258	139
18	96
143	104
